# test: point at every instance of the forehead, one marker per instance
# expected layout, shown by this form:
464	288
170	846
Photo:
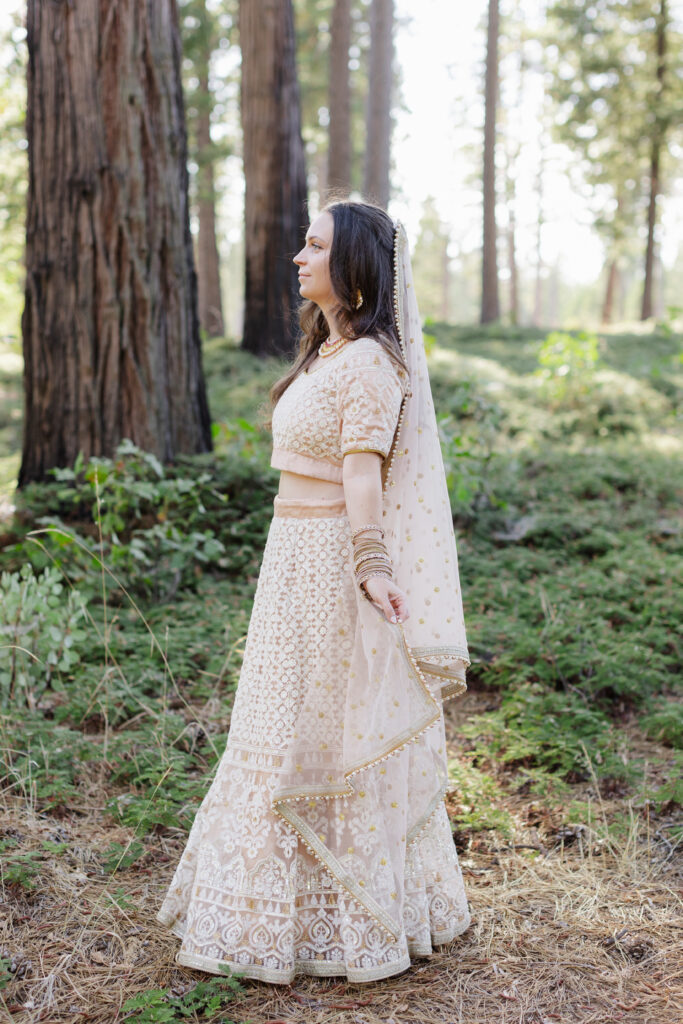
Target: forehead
322	227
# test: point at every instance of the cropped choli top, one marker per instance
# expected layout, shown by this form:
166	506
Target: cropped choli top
351	403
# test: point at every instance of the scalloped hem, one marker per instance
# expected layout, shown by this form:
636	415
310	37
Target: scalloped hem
315	968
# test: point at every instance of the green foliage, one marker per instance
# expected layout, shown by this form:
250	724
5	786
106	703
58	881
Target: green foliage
5	973
205	999
19	869
156	528
477	796
568	542
118	857
665	723
41	634
567	363
553	730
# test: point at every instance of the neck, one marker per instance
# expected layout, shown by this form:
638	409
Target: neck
333	327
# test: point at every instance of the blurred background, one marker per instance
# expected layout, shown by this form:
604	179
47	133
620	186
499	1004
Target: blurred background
580	103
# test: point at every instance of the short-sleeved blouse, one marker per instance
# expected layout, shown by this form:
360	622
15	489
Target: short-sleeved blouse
349	404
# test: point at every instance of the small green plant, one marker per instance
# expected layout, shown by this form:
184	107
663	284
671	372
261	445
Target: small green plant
5	973
567	364
118	857
19	869
158	1006
41	633
476	796
665	723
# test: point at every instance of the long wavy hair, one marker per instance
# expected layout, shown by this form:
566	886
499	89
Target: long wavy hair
361	259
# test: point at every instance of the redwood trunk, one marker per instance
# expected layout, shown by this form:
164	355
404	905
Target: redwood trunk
274	168
490	306
380	81
110	327
339	162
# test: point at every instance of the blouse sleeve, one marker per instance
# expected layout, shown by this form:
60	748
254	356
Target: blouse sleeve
368	402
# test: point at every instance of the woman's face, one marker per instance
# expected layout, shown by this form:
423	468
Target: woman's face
314	262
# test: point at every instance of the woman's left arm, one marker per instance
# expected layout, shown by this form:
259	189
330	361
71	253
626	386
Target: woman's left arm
362	481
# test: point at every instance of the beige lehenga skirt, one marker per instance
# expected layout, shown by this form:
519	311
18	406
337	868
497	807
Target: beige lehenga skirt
248	891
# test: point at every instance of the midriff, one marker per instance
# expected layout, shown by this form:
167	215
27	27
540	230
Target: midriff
296	485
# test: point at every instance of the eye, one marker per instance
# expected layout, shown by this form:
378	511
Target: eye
316	246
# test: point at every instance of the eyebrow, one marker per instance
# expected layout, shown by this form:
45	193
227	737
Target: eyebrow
317	237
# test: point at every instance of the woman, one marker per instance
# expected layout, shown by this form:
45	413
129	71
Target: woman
323	846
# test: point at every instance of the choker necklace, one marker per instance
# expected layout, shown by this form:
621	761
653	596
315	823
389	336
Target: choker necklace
328	348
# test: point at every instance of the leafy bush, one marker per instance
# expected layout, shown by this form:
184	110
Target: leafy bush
665	723
567	363
41	634
156	528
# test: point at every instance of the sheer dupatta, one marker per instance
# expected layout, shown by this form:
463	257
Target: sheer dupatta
367	766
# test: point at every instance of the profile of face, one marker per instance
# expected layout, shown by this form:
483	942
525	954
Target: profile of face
313	262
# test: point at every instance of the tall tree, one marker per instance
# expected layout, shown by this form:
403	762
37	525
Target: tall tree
611	73
204	27
339	160
660	122
110	327
431	263
490	306
378	136
275	174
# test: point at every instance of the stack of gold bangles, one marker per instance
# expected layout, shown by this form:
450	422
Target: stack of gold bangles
370	556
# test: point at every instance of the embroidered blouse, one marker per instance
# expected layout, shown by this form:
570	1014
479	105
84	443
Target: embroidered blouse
349	404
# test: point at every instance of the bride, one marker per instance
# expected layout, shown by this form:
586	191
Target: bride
323	846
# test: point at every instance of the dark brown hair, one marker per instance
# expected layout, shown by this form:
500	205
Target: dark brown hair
361	259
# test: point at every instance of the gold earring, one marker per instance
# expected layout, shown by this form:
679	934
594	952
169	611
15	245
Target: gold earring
359	299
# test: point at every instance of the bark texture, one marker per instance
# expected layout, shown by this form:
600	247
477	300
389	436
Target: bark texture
490	305
275	173
339	159
110	328
380	82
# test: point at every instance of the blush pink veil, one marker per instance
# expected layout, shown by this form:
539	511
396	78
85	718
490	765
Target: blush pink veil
366	766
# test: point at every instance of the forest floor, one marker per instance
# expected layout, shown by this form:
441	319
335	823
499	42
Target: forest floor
564	753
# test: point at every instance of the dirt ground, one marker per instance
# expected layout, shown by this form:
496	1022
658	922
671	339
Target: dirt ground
570	925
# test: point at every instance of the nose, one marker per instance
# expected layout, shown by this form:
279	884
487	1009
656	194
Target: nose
299	258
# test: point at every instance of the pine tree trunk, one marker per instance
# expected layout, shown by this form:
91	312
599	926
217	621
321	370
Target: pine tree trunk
208	262
274	168
110	327
380	81
610	291
339	159
537	314
656	144
490	307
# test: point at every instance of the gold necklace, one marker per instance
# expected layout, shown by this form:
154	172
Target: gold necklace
328	348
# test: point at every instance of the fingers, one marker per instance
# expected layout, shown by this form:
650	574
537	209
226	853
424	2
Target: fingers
397	609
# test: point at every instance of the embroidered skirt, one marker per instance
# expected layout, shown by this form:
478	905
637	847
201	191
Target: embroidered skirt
251	890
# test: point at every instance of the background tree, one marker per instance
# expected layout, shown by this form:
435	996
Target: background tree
660	117
13	176
609	65
110	327
204	29
275	174
490	307
380	78
431	263
339	162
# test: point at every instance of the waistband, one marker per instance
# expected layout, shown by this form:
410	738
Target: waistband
307	508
